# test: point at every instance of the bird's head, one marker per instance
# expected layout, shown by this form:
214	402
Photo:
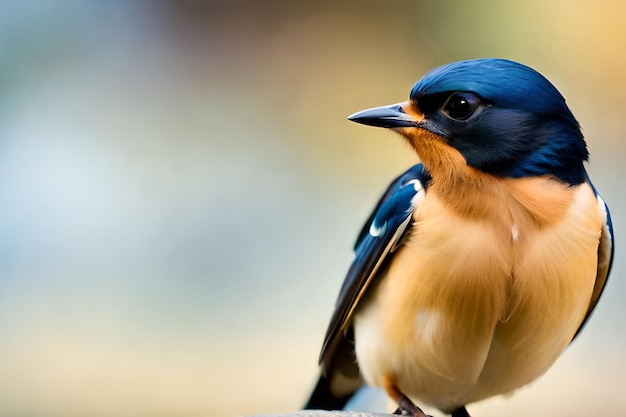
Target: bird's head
498	116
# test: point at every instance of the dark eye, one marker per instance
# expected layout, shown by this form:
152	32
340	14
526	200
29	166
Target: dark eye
460	106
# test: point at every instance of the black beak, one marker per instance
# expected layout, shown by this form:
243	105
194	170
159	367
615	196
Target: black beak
386	116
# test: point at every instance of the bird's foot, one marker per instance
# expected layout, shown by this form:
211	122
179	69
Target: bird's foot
407	408
401	412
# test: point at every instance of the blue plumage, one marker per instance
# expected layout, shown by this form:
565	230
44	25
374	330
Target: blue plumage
416	172
508	83
524	127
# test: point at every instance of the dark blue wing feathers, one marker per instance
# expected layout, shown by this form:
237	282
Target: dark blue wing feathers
415	172
606	249
379	236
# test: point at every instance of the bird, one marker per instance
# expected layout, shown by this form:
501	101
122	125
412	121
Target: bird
479	265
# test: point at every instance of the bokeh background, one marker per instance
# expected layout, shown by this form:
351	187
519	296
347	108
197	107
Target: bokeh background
180	189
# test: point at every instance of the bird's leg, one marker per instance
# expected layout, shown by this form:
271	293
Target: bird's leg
460	412
405	405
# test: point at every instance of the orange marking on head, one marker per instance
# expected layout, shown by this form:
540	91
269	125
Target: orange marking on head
410	107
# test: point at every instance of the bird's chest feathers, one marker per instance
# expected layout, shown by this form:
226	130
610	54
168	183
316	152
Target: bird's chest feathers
519	271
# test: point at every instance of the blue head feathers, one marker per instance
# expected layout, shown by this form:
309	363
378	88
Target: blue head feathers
519	125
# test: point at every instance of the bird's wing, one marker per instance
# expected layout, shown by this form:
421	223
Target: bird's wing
605	256
379	238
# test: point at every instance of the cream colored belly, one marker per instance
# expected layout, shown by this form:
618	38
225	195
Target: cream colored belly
468	310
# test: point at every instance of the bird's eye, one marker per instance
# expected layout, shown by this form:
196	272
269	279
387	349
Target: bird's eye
460	106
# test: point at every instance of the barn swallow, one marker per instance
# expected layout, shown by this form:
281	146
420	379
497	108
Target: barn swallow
481	264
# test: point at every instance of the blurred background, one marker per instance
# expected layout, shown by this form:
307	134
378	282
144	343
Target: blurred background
180	190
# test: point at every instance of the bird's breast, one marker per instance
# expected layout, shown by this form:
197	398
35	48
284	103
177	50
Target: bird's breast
465	298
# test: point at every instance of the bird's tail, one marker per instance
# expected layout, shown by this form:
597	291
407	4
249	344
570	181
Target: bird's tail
323	399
